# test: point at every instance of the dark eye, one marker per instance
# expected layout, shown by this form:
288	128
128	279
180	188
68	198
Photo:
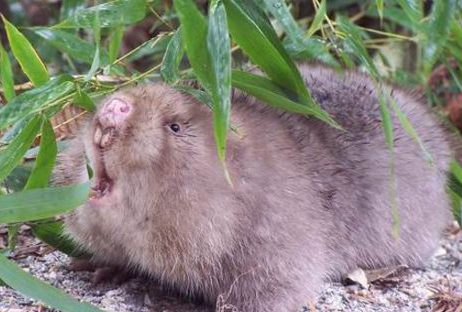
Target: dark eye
175	127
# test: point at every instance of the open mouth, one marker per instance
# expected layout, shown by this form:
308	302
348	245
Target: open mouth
103	183
102	187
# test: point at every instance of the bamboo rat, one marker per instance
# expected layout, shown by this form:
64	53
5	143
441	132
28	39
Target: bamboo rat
308	202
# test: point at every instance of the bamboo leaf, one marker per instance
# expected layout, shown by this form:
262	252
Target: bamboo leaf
252	31
353	38
83	100
115	43
387	123
6	74
26	55
379	5
318	18
407	126
194	34
45	159
267	91
437	32
13	153
51	232
413	9
218	45
172	58
70	8
42	203
71	44
199	95
111	14
31	101
32	287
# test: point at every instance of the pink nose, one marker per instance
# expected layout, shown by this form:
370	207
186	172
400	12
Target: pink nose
113	113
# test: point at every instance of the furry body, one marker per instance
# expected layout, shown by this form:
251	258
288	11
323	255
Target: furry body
309	202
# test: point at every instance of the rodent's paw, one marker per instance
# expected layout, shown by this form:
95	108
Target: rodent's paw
101	274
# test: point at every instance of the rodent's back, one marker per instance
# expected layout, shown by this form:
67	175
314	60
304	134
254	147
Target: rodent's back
373	190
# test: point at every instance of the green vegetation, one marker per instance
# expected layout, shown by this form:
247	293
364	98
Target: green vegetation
77	53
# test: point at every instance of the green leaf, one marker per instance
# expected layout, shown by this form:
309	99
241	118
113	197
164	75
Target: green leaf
6	74
406	124
218	45
13	153
115	43
379	5
45	159
70	44
27	57
387	123
254	34
32	287
199	95
413	9
437	32
33	100
83	100
267	91
318	18
51	232
194	34
172	58
353	38
36	204
282	14
70	8
96	59
111	14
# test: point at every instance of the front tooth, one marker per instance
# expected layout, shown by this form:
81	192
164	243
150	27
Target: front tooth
106	138
97	136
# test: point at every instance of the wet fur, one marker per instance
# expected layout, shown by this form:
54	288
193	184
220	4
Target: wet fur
308	202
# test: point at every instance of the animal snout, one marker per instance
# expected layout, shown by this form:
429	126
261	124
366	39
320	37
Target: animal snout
109	120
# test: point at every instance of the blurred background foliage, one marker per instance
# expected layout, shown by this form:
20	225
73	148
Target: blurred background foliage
59	57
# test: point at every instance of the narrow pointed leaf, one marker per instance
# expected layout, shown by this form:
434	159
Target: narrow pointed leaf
26	55
32	287
194	34
254	34
387	123
14	152
172	58
413	9
35	99
6	74
70	8
318	18
71	44
115	43
45	160
83	100
267	91
51	232
42	203
111	14
409	128
437	31
218	45
379	5
353	37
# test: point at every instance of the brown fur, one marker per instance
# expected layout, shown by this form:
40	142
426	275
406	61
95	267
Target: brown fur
309	202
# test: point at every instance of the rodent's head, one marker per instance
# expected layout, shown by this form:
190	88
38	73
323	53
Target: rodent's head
157	180
154	132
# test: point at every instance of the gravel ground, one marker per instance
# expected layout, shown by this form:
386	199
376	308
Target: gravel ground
437	288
